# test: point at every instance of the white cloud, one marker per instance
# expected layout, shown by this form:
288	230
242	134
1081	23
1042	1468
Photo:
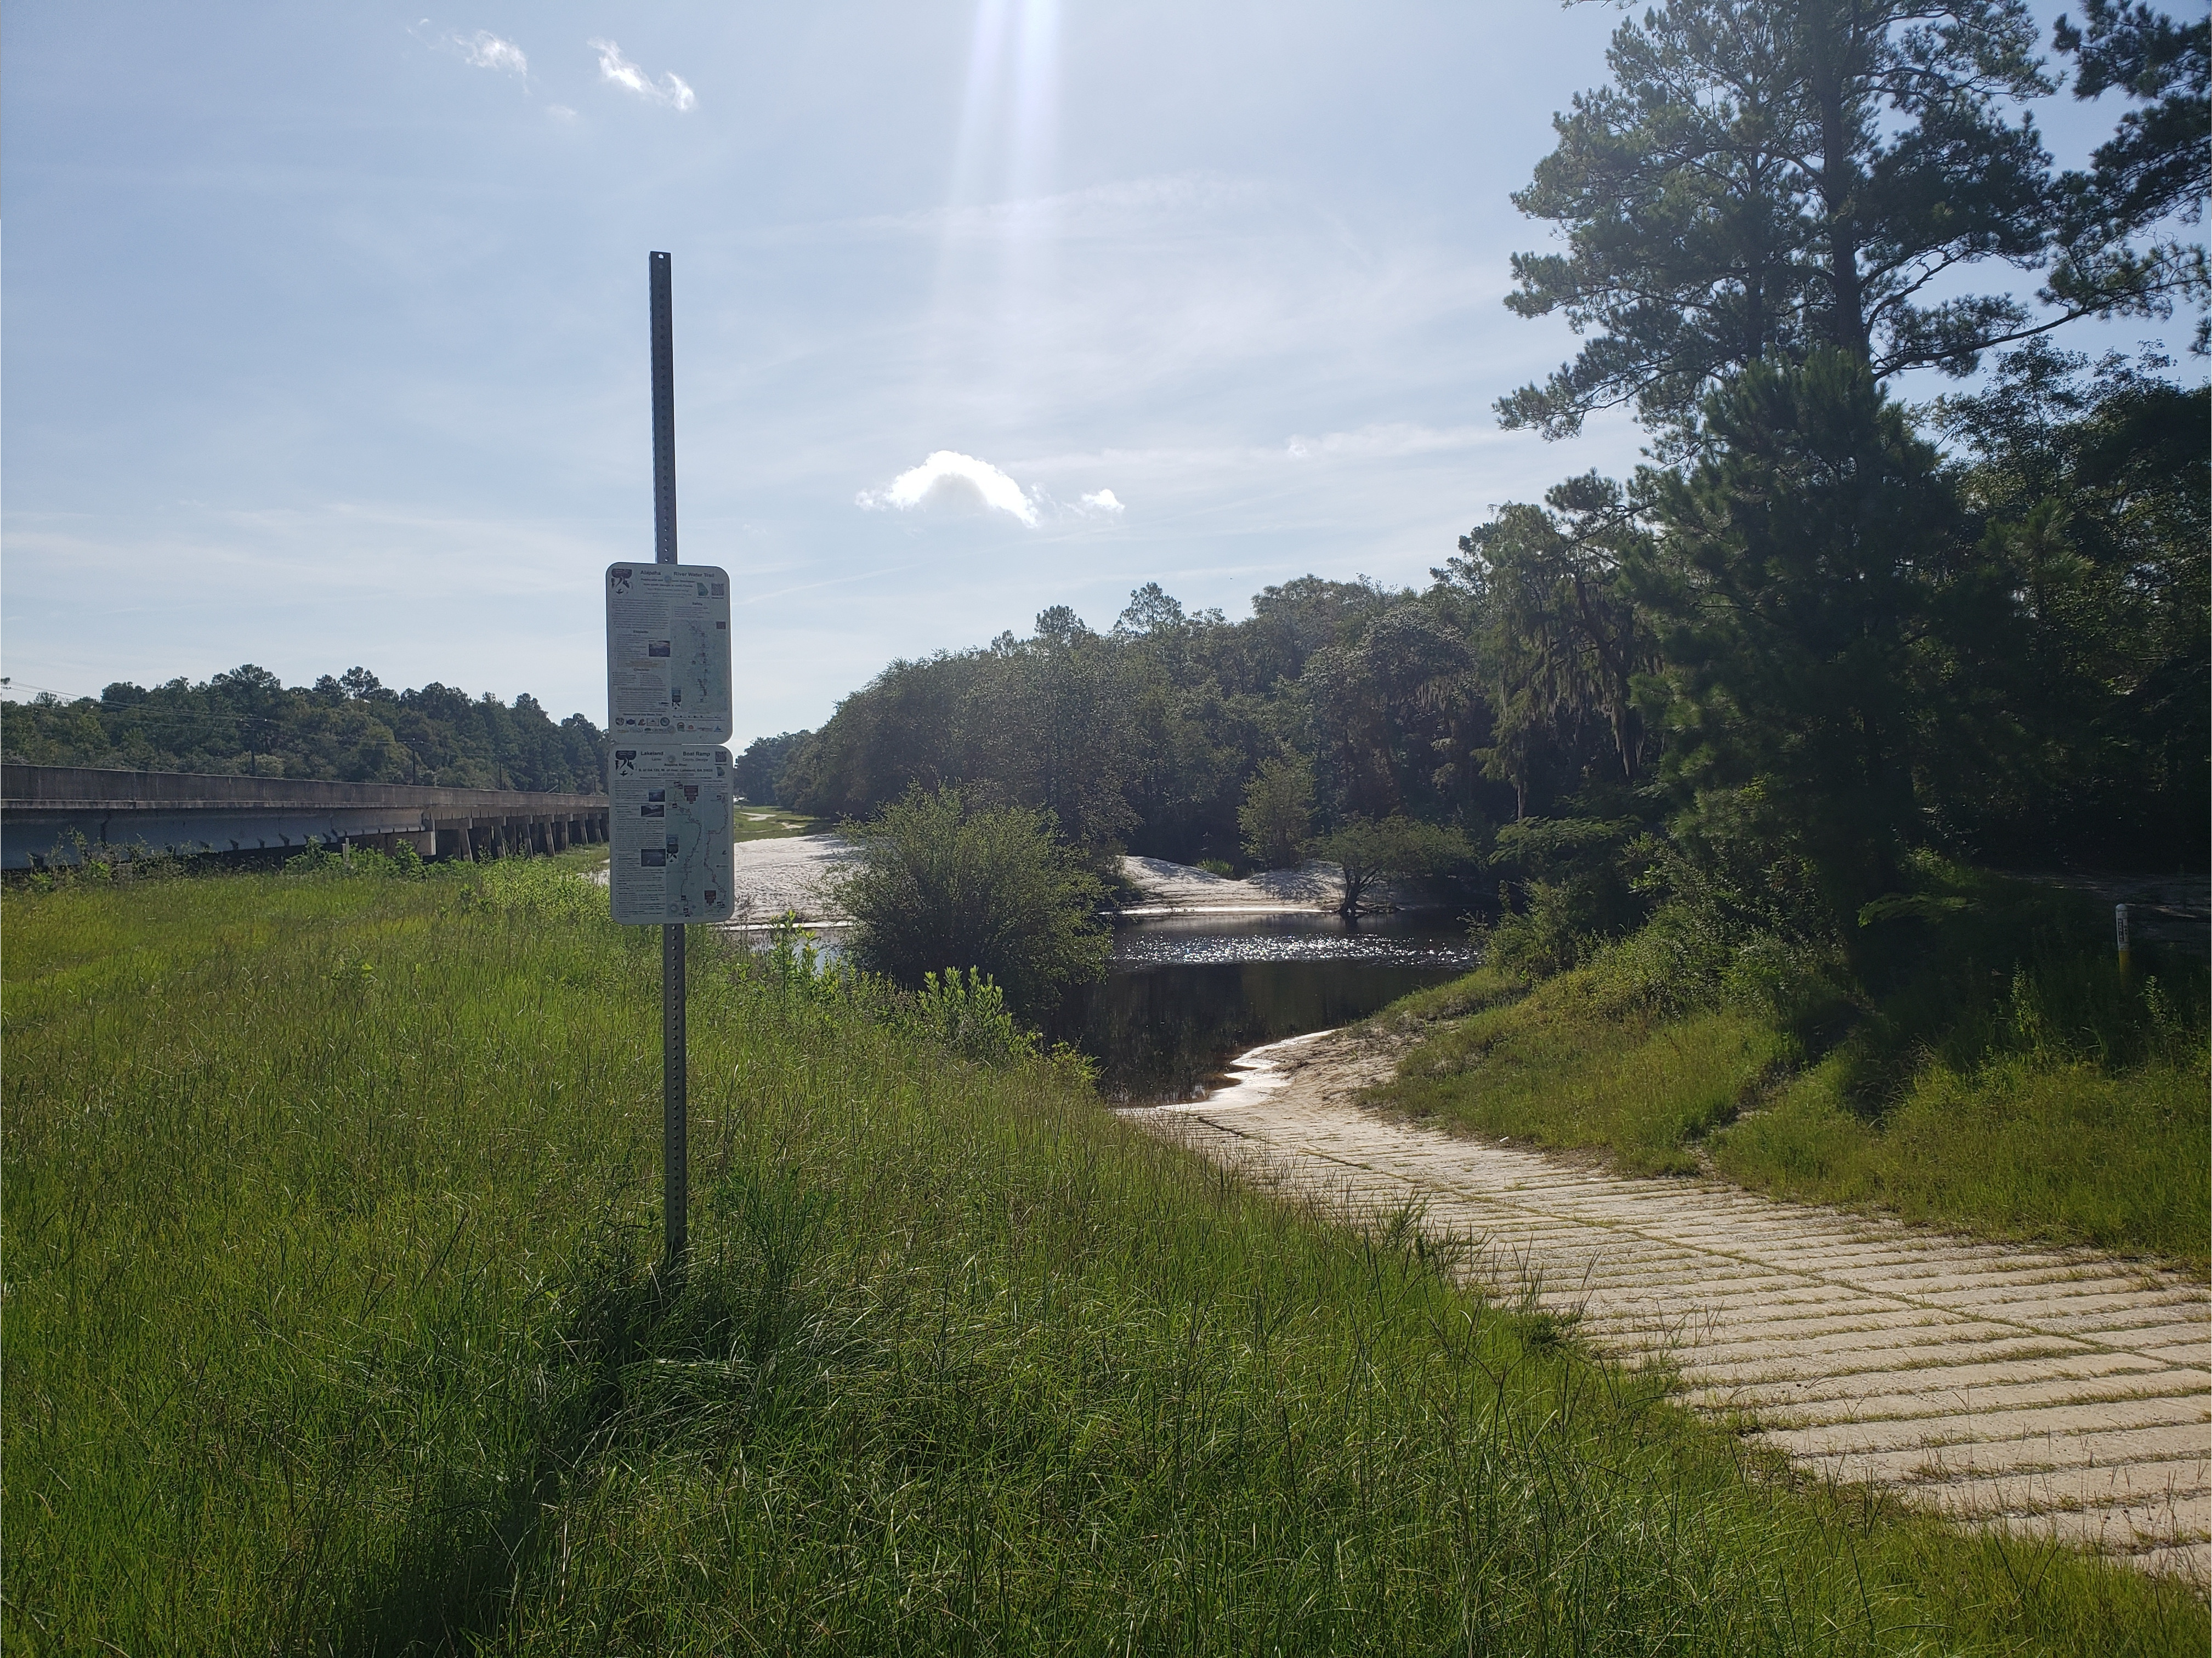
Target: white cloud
670	89
561	111
482	50
485	50
950	482
1103	502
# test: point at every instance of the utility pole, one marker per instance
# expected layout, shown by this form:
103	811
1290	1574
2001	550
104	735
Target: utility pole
675	1059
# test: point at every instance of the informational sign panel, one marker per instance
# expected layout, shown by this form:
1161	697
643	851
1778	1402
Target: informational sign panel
668	652
669	855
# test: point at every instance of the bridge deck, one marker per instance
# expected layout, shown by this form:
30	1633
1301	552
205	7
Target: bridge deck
50	814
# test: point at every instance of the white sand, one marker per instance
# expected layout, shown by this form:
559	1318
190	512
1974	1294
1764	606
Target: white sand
786	874
1171	888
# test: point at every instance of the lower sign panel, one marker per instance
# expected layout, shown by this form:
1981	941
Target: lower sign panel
669	848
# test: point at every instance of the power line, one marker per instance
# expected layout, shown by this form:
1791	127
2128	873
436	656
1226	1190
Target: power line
8	683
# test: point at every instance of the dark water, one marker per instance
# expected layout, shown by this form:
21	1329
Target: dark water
1184	992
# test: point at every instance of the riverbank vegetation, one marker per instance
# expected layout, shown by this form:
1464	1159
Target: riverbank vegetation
1984	1062
333	1326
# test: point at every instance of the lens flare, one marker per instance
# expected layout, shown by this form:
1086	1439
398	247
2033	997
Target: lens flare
994	263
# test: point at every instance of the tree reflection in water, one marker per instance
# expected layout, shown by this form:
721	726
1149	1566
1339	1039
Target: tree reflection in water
1186	993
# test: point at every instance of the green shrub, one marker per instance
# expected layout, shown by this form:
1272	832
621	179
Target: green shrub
1549	934
76	859
403	863
968	1017
939	884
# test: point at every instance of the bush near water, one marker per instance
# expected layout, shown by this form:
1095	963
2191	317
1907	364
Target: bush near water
939	884
332	1327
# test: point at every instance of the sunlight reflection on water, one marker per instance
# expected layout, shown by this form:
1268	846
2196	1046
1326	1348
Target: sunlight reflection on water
1424	940
1184	992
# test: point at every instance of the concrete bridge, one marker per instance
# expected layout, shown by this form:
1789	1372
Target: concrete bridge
44	808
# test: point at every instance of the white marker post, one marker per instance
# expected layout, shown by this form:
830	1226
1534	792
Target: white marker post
669	778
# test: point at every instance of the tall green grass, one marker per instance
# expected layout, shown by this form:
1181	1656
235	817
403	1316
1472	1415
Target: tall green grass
331	1325
2061	1149
1982	1062
1568	1066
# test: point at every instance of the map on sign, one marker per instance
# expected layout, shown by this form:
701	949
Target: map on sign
668	652
669	855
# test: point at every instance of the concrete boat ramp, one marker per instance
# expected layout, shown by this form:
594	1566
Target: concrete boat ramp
2058	1393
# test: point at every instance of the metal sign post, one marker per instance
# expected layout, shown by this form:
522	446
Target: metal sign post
675	1047
669	781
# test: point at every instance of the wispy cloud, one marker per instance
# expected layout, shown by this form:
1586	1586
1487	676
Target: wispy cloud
1104	502
482	50
670	89
833	582
485	50
952	481
1390	439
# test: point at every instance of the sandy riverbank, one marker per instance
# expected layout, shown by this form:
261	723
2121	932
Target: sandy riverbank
791	872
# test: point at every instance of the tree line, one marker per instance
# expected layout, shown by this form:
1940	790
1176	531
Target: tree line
350	728
1823	628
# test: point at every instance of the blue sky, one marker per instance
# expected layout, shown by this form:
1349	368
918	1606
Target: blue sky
324	337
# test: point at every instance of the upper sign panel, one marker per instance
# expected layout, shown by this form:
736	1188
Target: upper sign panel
668	650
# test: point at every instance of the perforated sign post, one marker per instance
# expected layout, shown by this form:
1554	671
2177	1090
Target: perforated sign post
668	776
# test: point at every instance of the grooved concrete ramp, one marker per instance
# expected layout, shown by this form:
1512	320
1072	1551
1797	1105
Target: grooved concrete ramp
2056	1392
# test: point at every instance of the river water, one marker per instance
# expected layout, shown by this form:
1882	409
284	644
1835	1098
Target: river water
1184	992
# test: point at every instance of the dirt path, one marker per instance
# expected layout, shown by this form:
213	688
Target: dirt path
2056	1392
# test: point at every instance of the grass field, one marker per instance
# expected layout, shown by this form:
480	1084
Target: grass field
1992	1069
331	1326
